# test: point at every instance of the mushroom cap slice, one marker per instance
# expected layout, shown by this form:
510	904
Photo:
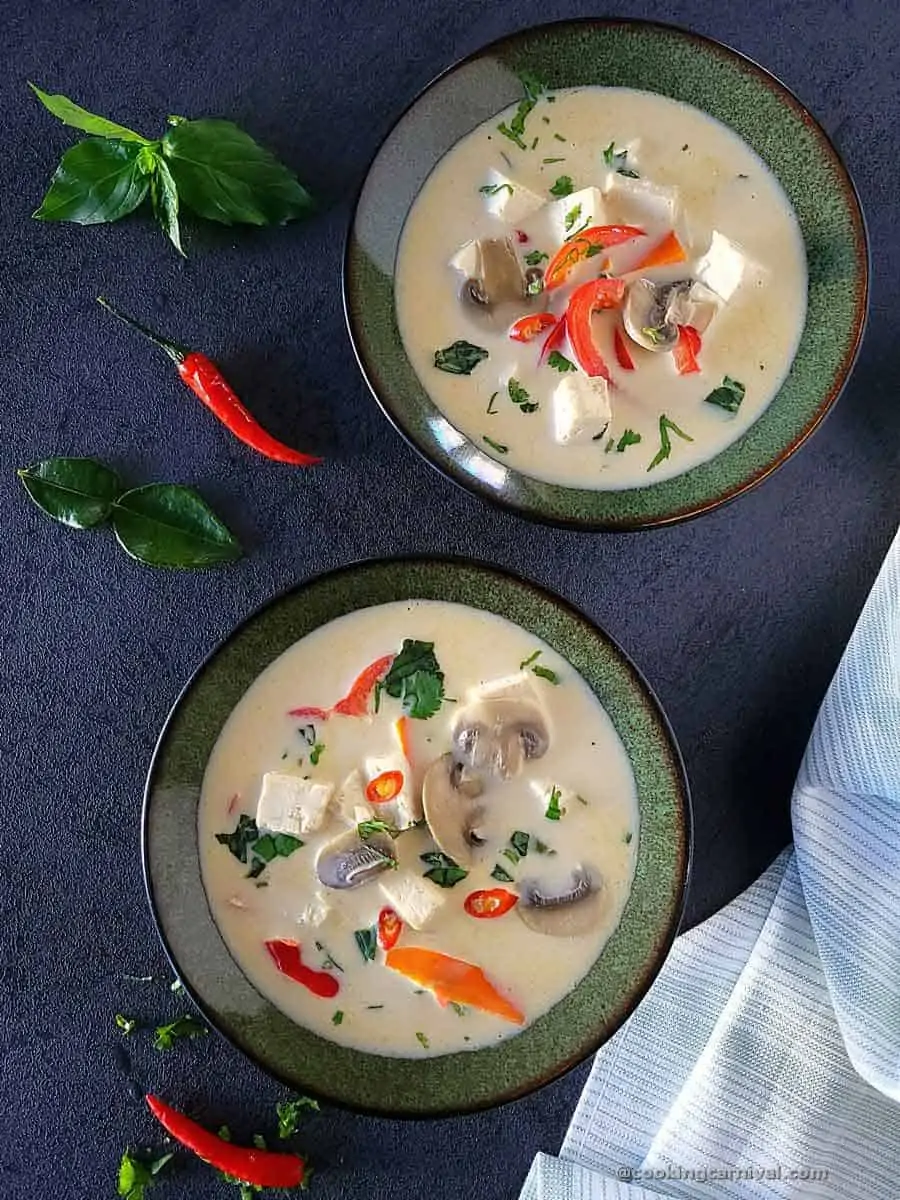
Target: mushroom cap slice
448	799
570	913
500	735
349	862
646	315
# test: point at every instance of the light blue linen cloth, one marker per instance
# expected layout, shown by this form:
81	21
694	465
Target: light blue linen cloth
765	1059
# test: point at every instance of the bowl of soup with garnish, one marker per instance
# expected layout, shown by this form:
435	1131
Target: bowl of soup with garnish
603	301
438	832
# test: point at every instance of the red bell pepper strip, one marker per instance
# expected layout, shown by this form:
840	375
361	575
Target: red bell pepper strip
663	254
686	350
623	357
356	702
260	1168
584	301
554	339
288	958
526	329
585	245
208	383
389	928
384	787
490	902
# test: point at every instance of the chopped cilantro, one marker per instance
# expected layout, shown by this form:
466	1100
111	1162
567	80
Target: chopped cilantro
573	215
443	870
367	941
553	160
136	1174
546	673
534	258
246	844
560	363
559	137
511	854
542	847
498	446
627	838
610	444
416	679
265	848
515	130
554	812
490	407
519	842
127	1024
526	662
581	800
337	1018
184	1027
617	159
534	143
458	1008
535	286
316	753
459	358
423	1040
492	189
501	875
728	395
328	961
243	837
286	844
628	438
563	187
367	829
520	397
665	442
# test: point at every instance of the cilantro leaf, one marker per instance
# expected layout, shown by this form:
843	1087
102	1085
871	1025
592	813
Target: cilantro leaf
535	257
573	215
316	753
520	841
560	363
628	438
563	187
554	811
443	870
367	829
546	673
243	837
338	1017
137	1174
498	446
501	874
416	679
290	1113
492	189
515	130
520	397
526	662
728	395
665	442
459	358
183	1027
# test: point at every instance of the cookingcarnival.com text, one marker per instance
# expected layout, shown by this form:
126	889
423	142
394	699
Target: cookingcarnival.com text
712	1174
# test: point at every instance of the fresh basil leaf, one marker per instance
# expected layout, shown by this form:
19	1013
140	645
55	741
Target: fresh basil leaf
560	363
76	491
265	848
224	175
242	838
628	438
164	196
501	875
137	1174
182	1028
459	358
166	525
444	871
563	187
290	1113
367	940
728	395
97	181
519	842
73	114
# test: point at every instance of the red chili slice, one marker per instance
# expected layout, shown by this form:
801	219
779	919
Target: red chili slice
526	329
623	357
686	350
490	902
384	787
389	928
288	958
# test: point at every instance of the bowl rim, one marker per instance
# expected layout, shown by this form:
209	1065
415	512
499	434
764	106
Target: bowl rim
651	968
473	485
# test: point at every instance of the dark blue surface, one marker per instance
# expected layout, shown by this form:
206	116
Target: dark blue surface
738	619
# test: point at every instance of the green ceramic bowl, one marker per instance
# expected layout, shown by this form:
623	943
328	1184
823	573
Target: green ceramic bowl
656	58
452	1083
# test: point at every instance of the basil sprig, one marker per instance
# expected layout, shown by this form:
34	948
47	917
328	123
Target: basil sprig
159	524
209	166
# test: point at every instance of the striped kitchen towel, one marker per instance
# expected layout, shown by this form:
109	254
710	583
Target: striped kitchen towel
765	1060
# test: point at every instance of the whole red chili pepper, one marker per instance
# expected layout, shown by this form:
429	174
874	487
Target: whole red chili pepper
264	1168
207	382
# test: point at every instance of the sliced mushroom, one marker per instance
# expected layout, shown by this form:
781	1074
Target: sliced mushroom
694	305
494	285
569	913
500	736
449	791
348	861
653	311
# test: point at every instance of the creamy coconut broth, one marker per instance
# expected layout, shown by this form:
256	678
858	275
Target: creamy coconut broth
558	216
520	872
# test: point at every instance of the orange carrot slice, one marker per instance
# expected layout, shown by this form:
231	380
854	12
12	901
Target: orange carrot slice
452	979
663	254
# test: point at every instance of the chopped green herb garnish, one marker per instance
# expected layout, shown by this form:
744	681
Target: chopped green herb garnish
546	673
498	446
458	1008
286	844
290	1113
552	160
534	258
535	286
443	870
546	120
372	1007
573	215
246	844
617	159
654	333
501	875
184	1027
367	941
526	662
265	848
511	854
519	842
542	847
560	363
316	753
378	689
261	883
581	800
534	143
459	358
628	438
242	839
416	679
515	130
127	1024
423	1040
728	395
136	1174
563	187
559	137
284	756
520	397
665	443
627	838
337	1018
490	408
554	812
371	828
328	962
491	189
610	444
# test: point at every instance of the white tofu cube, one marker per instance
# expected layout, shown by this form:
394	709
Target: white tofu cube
723	266
510	201
641	202
581	408
467	260
289	804
508	687
351	799
405	808
415	900
582	209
